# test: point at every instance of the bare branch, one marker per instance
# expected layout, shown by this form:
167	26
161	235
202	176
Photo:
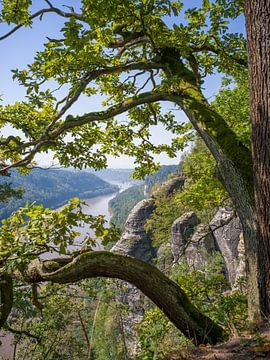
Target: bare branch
22	332
73	97
218	51
40	13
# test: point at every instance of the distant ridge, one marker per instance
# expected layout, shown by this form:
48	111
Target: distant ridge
115	175
53	188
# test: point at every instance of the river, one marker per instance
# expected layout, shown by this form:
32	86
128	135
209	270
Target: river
99	206
95	206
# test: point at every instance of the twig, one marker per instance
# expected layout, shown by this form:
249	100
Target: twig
85	333
22	333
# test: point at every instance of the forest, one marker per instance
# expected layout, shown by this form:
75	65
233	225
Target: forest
188	274
53	188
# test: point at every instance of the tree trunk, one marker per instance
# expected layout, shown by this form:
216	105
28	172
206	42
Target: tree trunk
6	298
165	293
258	33
233	159
235	168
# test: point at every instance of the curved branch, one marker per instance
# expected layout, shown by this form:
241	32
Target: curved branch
72	98
165	293
73	122
218	51
144	98
40	13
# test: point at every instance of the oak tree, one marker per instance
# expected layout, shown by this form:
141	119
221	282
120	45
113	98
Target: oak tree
132	55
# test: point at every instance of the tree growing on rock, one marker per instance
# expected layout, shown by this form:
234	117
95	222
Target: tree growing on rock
130	53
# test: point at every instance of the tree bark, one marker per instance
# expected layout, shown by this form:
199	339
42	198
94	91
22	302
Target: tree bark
6	298
233	159
165	293
257	15
234	164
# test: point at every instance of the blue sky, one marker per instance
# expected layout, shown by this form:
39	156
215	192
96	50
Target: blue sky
19	49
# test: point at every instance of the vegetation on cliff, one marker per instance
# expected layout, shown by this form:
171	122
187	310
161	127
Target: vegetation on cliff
136	55
123	203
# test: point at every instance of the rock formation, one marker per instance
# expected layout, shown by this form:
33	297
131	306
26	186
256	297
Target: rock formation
227	237
190	240
135	242
182	230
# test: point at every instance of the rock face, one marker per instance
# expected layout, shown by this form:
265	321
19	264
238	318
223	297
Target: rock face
182	230
170	186
227	238
191	240
202	244
135	241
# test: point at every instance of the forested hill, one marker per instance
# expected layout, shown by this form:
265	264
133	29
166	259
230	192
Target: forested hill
160	176
53	188
121	205
115	175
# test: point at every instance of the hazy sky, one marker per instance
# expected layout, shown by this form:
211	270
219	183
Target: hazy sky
20	48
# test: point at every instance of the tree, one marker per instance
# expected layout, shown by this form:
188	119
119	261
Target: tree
125	51
258	30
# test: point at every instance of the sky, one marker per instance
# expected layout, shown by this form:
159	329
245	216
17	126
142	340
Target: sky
19	49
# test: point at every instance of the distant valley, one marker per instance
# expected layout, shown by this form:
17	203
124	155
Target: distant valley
53	188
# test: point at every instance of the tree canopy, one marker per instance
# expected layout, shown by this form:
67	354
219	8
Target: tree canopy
136	55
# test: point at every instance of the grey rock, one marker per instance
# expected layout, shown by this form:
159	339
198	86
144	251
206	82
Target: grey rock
164	257
227	238
182	230
135	241
168	187
201	245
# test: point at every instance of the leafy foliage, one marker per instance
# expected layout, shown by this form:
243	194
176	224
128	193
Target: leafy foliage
157	336
7	192
202	191
207	286
35	230
208	289
227	102
160	176
167	210
125	57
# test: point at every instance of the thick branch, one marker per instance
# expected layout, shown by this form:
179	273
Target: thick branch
22	332
165	293
218	51
72	98
118	109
